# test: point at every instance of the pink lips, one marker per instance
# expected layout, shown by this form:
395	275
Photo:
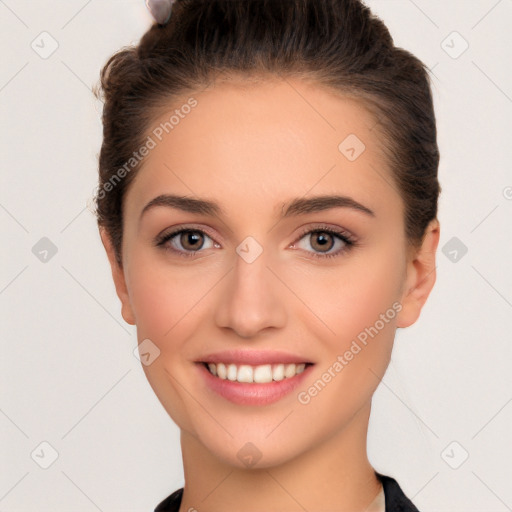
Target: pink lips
252	357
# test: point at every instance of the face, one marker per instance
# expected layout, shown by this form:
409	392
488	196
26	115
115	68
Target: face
298	257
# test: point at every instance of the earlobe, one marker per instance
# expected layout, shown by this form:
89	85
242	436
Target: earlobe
421	277
119	278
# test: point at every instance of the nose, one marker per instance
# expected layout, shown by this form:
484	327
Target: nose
252	299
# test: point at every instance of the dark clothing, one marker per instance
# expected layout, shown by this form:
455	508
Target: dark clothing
396	500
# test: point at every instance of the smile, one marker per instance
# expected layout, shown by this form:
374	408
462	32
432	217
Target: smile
249	385
260	374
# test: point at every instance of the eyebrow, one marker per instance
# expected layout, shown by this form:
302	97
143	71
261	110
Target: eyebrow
299	206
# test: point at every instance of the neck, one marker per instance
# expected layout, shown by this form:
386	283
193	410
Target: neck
333	475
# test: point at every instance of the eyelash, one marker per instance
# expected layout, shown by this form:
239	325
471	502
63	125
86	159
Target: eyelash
344	236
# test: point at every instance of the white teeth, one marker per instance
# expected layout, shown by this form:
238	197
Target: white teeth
245	373
278	373
289	370
232	370
263	374
259	374
221	370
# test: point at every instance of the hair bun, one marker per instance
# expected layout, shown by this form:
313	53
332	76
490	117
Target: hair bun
160	10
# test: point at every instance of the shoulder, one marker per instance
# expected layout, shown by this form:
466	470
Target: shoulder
396	500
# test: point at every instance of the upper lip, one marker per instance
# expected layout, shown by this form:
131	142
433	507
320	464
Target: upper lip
253	357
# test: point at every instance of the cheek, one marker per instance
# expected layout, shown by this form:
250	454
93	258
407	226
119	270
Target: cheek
155	307
353	296
167	303
360	305
166	299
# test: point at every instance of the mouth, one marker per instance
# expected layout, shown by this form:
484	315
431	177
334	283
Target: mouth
269	378
259	374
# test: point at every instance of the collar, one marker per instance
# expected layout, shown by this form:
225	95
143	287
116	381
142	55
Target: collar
395	499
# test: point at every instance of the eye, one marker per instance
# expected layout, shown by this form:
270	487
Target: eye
323	239
186	242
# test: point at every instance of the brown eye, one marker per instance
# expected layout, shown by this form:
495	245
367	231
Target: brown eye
186	242
191	240
322	241
325	243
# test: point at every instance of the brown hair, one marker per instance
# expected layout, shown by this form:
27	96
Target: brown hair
340	44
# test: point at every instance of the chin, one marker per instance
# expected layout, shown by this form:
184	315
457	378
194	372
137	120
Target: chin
252	455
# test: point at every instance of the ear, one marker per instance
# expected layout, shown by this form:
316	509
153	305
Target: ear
119	279
421	276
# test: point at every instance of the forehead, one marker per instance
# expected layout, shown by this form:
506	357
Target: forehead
263	141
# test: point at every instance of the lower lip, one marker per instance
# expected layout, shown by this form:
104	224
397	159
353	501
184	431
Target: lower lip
252	393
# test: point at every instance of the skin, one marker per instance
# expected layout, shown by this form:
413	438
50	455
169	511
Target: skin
253	148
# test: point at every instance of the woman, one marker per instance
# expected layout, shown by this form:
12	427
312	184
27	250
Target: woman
268	204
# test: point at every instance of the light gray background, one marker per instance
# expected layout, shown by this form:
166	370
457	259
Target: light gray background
68	373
